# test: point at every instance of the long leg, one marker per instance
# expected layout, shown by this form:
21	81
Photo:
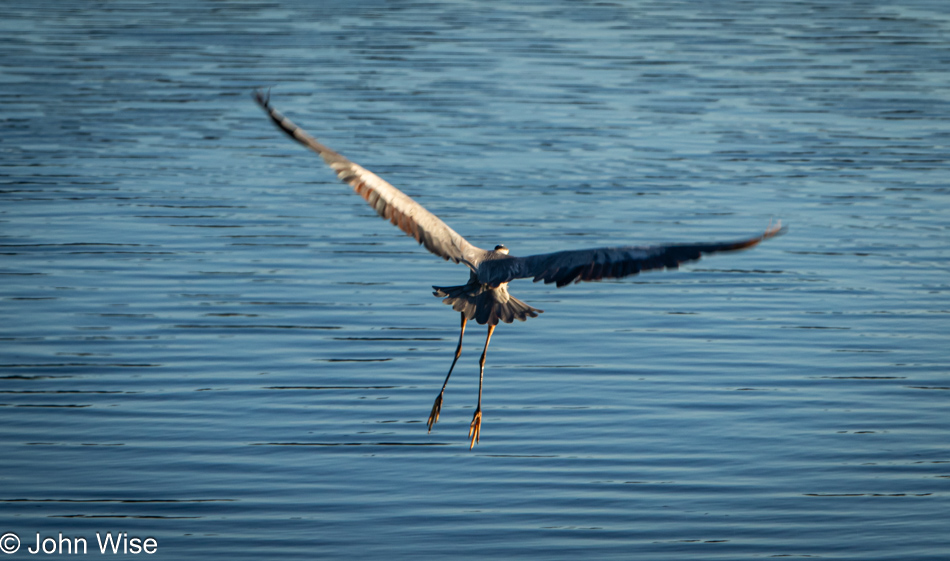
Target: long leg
437	406
476	426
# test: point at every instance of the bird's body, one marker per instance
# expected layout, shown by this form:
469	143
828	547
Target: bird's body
485	297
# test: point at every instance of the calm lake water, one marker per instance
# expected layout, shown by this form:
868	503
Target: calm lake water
209	341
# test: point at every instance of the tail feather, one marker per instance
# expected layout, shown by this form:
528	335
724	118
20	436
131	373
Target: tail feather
485	304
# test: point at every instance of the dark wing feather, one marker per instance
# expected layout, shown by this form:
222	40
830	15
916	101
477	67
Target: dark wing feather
565	267
389	202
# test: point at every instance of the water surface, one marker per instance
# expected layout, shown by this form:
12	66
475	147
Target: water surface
210	341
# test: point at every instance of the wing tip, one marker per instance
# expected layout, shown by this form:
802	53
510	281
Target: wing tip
771	232
774	231
262	98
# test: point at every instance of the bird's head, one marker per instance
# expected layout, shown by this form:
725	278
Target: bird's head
501	249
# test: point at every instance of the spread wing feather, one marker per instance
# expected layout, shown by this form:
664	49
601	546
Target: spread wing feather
565	267
389	202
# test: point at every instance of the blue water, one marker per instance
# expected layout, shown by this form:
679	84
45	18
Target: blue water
209	341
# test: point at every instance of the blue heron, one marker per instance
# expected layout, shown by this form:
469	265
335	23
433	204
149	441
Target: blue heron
485	297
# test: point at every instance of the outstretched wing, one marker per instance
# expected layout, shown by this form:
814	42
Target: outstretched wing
389	202
565	267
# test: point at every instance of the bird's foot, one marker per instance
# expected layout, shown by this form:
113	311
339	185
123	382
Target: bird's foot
436	409
475	428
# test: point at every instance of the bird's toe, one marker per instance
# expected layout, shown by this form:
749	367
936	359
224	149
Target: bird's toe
434	414
475	428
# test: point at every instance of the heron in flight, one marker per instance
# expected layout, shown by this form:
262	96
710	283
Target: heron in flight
485	297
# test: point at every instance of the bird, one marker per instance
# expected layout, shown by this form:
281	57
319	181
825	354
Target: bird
485	297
